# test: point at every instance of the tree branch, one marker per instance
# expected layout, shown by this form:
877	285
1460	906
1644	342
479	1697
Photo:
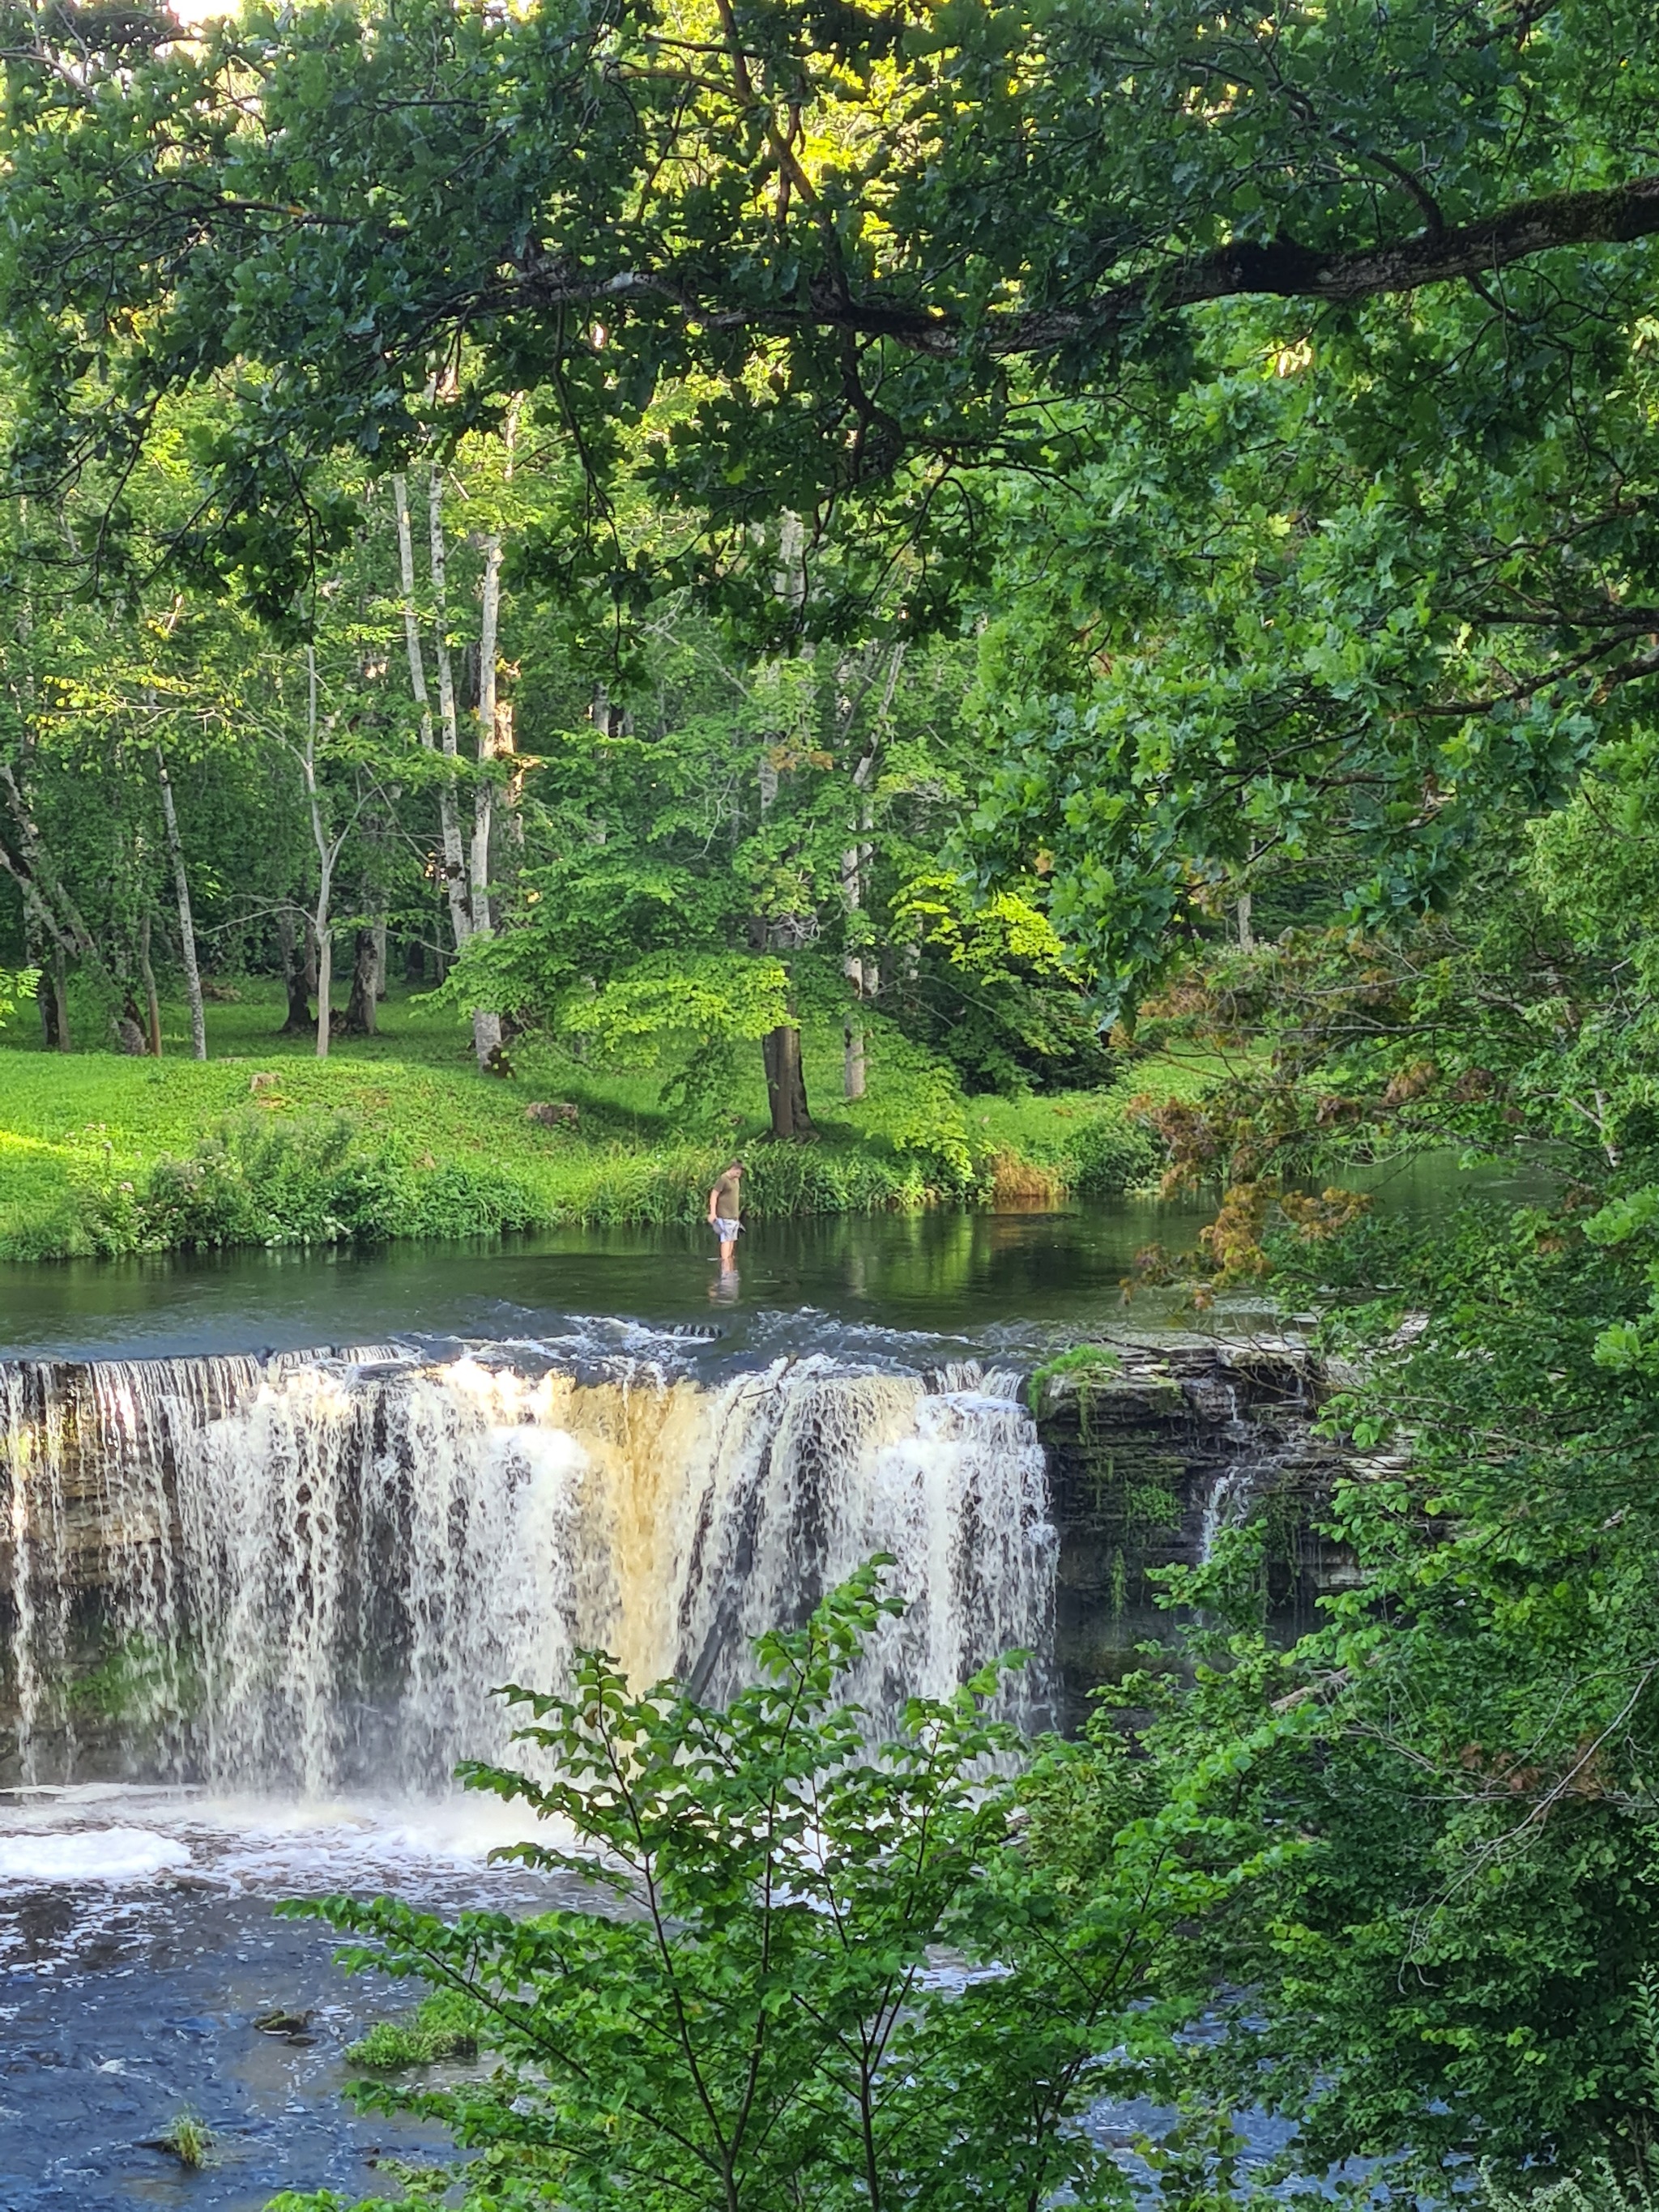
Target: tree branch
1276	268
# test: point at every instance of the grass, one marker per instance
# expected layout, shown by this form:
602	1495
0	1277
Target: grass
1085	1364
443	2025
189	2139
399	1135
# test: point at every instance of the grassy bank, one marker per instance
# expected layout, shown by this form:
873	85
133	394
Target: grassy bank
399	1135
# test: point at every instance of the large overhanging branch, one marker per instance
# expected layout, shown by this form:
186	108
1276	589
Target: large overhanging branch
1282	270
1276	268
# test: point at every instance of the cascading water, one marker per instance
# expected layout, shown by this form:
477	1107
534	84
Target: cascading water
308	1574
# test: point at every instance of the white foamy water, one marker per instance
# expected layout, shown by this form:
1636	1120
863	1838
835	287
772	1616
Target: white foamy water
125	1838
113	1856
309	1574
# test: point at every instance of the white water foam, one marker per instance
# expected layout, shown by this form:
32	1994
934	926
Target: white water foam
114	1857
312	1572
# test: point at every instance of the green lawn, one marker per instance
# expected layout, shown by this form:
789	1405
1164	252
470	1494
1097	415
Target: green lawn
449	1151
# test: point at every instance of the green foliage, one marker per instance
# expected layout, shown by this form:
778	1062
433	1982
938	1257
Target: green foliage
300	1180
1280	441
754	2011
16	988
259	1181
1457	1964
713	1000
444	2025
1108	1153
1599	2186
688	1012
190	2141
914	1105
1082	1366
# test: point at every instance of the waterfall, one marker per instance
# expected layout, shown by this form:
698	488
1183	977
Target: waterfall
306	1574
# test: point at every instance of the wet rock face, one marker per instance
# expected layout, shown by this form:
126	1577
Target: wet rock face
1145	1466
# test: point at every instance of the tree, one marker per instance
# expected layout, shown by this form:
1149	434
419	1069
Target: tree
1459	1964
1299	404
751	2015
874	253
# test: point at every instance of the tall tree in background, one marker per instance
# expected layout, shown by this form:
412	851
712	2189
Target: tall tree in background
886	284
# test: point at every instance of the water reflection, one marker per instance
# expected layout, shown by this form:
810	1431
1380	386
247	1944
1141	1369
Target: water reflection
944	1273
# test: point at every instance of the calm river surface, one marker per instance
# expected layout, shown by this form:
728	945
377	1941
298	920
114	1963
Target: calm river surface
1004	1281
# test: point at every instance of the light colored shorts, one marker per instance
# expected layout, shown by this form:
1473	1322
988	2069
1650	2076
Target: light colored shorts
724	1230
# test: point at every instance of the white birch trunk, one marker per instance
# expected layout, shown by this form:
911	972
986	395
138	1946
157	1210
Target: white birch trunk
852	1062
186	924
861	974
449	815
486	1023
325	856
411	620
449	820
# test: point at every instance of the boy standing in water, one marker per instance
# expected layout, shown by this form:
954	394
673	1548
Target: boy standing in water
724	1202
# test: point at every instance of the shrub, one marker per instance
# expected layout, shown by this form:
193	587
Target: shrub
443	2025
255	1180
755	2016
460	1200
916	1106
1107	1154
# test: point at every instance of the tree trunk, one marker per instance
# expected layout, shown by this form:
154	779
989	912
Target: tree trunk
455	883
786	1086
486	1022
851	1058
449	818
360	1009
295	981
380	957
855	859
152	1003
327	852
37	958
324	971
187	927
1246	934
60	998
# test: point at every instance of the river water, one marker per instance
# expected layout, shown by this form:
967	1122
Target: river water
586	1437
989	1277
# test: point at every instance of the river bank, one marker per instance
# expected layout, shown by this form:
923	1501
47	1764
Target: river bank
399	1136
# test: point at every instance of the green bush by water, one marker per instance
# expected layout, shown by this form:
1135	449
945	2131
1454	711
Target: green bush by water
443	2025
1109	1154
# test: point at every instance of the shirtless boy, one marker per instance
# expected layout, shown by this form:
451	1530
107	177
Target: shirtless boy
724	1202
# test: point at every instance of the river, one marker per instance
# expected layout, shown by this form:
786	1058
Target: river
257	1591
